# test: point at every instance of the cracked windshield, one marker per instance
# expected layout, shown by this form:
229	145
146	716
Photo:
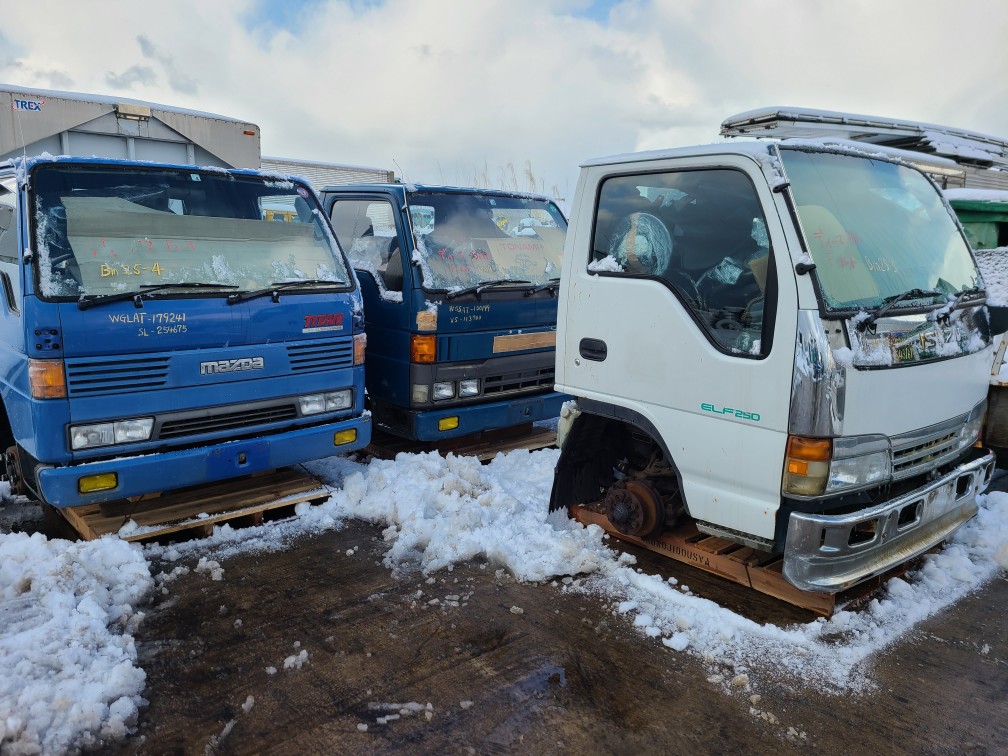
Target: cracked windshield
106	231
467	240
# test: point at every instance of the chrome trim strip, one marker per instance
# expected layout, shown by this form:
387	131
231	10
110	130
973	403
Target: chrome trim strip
930	447
818	383
819	555
924	435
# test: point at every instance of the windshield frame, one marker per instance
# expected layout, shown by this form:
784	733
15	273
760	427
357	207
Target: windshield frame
414	198
338	263
884	298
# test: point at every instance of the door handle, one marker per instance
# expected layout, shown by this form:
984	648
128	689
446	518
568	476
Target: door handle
593	349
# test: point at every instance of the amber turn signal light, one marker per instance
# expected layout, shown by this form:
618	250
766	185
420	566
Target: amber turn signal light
46	379
423	348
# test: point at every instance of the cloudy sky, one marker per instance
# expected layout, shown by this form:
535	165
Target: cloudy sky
495	91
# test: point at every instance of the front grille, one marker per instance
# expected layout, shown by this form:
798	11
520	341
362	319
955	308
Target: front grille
317	356
110	375
918	452
523	380
225	419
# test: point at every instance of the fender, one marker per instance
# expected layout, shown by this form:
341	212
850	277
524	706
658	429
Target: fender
596	441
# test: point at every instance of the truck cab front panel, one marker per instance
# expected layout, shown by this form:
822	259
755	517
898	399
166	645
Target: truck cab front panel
161	312
807	361
466	273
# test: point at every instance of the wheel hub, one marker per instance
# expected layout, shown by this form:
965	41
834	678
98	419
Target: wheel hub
634	507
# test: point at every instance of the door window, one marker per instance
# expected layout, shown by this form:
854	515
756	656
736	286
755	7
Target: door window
702	234
366	230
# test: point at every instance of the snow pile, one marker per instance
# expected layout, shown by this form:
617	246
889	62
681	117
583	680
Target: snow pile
68	658
973	194
439	511
993	265
607	264
832	654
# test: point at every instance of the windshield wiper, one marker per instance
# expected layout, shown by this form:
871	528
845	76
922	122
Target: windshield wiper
888	303
274	289
93	300
964	292
553	284
480	288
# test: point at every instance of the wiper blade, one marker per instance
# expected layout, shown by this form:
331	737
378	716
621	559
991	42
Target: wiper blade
88	301
274	289
960	295
480	288
888	303
966	291
553	284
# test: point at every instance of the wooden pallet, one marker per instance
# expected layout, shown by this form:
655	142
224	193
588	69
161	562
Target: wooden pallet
758	570
485	445
197	509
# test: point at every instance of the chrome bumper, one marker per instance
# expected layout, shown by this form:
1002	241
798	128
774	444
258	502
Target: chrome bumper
828	553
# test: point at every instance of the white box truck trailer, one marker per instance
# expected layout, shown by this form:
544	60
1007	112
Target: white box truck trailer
71	123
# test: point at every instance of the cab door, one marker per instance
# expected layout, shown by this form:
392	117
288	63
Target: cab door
680	307
369	228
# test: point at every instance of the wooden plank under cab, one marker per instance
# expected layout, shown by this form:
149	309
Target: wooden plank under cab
199	507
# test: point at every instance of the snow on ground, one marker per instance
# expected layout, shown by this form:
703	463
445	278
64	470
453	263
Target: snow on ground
993	265
69	612
66	646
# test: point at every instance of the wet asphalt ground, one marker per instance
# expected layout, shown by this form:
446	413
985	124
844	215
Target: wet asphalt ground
520	668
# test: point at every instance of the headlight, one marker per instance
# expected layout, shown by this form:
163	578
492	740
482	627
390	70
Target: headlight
421	393
339	400
469	387
444	390
108	434
313	404
872	467
823	466
971	430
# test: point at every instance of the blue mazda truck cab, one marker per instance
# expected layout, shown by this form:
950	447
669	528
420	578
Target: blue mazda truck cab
460	289
157	331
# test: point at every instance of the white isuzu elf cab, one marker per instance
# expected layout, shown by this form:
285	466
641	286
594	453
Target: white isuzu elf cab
786	342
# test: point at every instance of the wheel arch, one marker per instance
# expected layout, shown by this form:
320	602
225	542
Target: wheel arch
598	438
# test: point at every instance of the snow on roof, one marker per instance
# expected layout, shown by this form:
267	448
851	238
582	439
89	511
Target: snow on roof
109	100
753	149
960	144
977	195
760	151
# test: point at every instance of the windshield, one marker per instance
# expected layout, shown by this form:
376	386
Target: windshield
101	230
876	230
466	240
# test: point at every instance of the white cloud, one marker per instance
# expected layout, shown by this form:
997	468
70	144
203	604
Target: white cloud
452	90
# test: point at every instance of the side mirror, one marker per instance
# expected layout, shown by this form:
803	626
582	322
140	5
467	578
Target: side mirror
998	319
423	219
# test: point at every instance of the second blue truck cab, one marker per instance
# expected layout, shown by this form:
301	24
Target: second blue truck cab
460	289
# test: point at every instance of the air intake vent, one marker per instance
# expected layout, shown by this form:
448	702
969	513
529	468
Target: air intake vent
316	356
923	450
110	375
227	420
525	380
906	461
